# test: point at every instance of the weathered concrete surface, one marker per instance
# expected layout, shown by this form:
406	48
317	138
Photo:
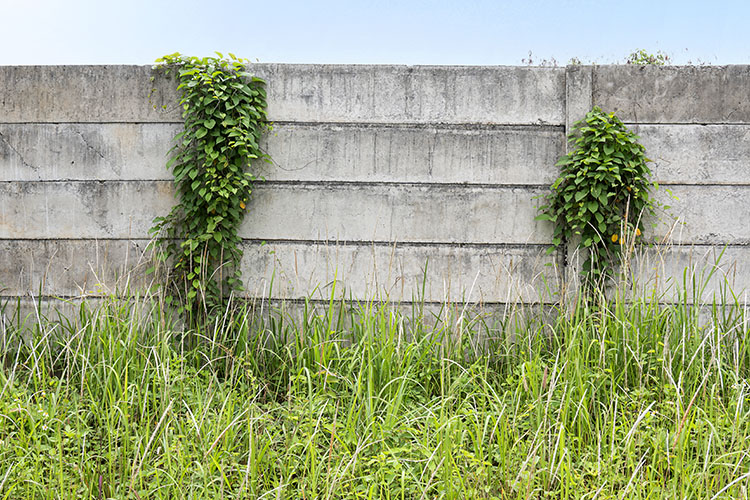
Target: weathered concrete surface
691	274
432	273
578	94
85	151
354	212
403	213
431	154
300	93
288	270
674	94
486	322
400	213
703	215
72	267
443	161
94	94
90	209
300	152
698	154
399	273
414	94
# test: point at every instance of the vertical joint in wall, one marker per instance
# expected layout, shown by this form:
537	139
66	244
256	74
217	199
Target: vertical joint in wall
579	99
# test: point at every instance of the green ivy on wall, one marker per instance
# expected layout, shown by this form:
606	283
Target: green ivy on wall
224	110
602	194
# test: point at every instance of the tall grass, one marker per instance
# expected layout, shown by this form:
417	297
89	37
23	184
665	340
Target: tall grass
623	398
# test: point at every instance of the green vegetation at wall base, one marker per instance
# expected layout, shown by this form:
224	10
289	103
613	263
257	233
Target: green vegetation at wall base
634	400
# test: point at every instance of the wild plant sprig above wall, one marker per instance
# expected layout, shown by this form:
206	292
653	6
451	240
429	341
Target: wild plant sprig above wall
224	109
603	193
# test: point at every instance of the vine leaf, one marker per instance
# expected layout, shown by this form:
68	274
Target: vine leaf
602	193
224	112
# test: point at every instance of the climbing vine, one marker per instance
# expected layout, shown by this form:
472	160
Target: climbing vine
602	193
224	110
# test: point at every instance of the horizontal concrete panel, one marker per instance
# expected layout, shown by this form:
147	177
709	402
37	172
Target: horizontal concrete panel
674	94
482	322
73	267
321	152
333	93
703	215
82	209
506	155
404	213
422	94
85	151
51	94
352	212
400	273
692	274
454	214
293	270
698	154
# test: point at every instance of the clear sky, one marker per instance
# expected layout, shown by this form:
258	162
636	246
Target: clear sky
373	32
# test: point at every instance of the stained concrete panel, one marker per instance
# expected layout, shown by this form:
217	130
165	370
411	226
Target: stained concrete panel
401	272
73	267
299	93
94	94
289	270
414	94
300	152
674	94
360	212
698	154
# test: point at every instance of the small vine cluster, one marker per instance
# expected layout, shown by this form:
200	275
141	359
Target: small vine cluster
602	193
224	110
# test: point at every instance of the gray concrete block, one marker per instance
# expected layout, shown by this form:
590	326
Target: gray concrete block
400	273
88	209
328	93
485	322
674	94
85	151
305	152
289	270
73	267
691	274
703	215
403	213
93	94
578	94
421	94
28	313
697	154
505	155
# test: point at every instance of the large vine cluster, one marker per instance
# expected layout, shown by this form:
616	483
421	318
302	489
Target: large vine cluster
224	109
602	193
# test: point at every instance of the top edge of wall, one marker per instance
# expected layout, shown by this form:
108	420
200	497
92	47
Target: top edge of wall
297	92
351	93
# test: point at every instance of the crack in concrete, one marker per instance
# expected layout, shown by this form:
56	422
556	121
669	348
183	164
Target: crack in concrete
89	146
25	163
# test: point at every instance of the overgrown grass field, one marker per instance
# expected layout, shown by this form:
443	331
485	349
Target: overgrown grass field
630	399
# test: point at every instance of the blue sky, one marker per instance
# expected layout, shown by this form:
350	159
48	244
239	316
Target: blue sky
373	32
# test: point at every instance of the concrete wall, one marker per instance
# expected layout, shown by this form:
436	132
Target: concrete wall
378	172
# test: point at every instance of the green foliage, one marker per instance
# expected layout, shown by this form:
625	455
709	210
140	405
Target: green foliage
636	400
643	58
602	192
224	108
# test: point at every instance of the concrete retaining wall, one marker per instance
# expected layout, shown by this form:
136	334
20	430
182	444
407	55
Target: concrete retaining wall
396	181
